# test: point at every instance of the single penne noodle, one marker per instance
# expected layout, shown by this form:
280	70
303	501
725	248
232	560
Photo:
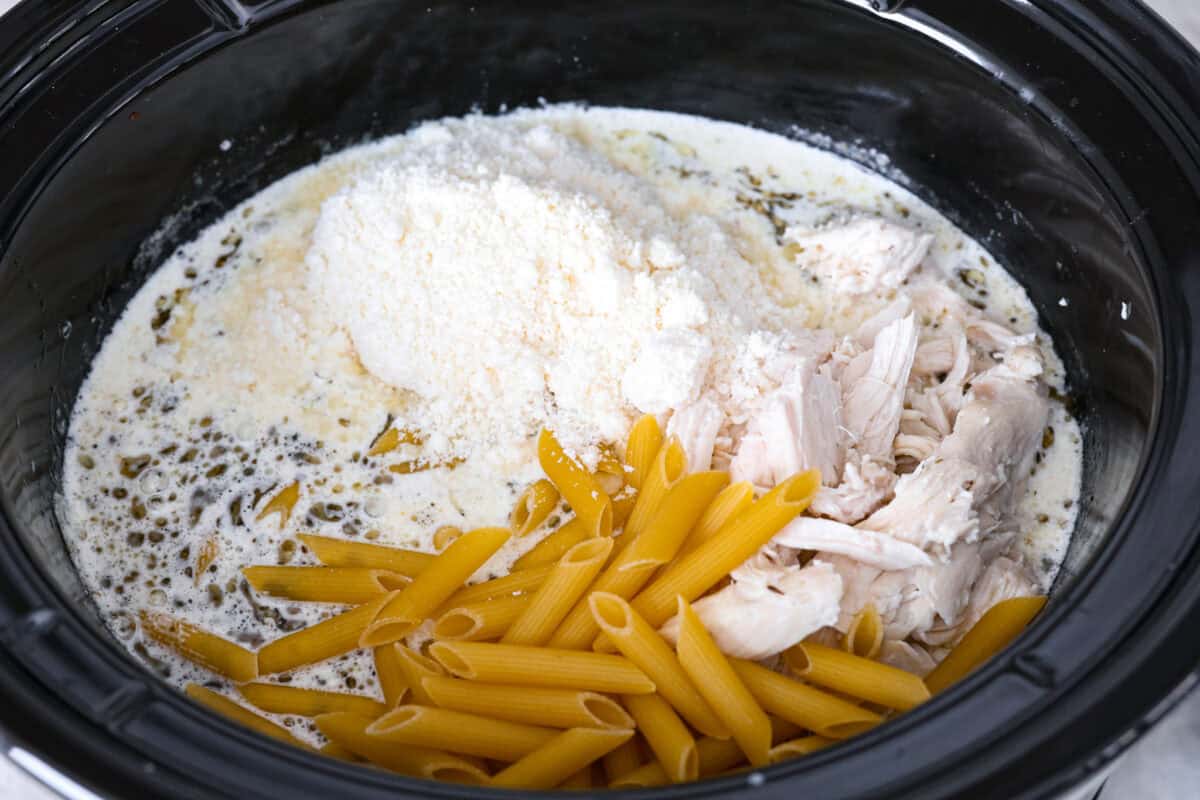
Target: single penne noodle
201	647
721	687
623	505
732	501
279	699
535	705
282	504
699	570
518	665
527	580
550	549
678	512
645	440
856	676
241	715
329	638
561	757
643	646
583	779
533	507
480	622
794	748
576	485
644	777
415	668
343	553
434	585
715	756
458	732
562	589
392	438
579	628
810	708
999	625
625	759
335	750
350	732
670	464
864	637
444	535
666	734
343	585
389	674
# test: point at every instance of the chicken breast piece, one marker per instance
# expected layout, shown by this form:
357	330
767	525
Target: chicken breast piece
863	255
697	425
875	549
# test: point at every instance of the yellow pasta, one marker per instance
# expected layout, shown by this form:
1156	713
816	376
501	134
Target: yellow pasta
696	572
421	465
644	777
797	747
580	781
279	699
645	439
720	686
675	516
576	485
282	504
643	646
624	759
565	585
533	507
206	555
811	709
392	438
666	734
525	581
610	470
434	585
388	670
623	502
864	637
444	535
855	676
415	669
201	647
714	755
241	715
458	732
992	633
335	750
535	705
561	757
551	549
669	465
350	732
343	585
329	638
519	665
343	553
732	501
482	621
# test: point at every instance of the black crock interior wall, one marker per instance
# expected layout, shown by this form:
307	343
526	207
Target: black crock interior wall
332	74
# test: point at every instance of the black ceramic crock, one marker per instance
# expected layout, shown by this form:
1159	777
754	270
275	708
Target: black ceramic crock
1062	134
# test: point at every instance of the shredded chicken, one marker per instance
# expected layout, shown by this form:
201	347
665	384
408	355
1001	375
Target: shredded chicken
863	255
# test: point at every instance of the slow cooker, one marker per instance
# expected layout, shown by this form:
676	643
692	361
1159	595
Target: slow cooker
1061	133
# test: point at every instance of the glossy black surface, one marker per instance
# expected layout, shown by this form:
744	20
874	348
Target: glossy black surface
1061	134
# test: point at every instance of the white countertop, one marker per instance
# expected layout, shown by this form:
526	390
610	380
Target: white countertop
1164	765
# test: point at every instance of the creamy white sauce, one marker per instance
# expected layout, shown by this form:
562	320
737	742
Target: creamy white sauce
221	382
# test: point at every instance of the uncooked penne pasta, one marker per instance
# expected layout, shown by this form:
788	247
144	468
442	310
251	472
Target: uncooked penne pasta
342	585
610	472
715	756
392	438
561	757
434	585
415	668
675	516
535	705
855	676
350	731
279	699
794	748
732	501
329	638
669	465
721	688
643	646
389	674
282	504
241	715
457	732
562	589
999	625
527	580
335	750
519	665
576	485
581	780
344	553
201	647
623	502
444	535
645	440
699	570
533	507
550	549
666	734
864	637
811	709
482	621
624	759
